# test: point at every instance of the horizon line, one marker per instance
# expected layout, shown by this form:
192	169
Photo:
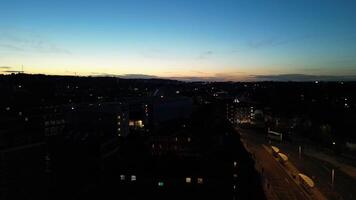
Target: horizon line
253	78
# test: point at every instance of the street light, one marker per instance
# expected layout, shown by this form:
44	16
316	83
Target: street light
300	151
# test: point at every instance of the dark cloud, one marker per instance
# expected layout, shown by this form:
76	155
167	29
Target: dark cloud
17	41
8	69
194	78
206	54
199	72
127	76
11	47
98	74
276	41
237	76
138	76
5	67
266	43
11	71
302	77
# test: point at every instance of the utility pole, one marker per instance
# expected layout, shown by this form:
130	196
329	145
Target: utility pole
332	177
300	151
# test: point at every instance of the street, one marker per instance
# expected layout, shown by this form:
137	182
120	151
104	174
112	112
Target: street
280	184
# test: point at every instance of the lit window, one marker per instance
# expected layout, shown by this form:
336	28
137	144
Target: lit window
119	129
139	123
118	117
235	163
188	180
160	183
122	177
133	178
235	175
200	180
189	139
234	187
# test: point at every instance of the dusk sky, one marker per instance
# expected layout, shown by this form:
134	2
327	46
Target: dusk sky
182	39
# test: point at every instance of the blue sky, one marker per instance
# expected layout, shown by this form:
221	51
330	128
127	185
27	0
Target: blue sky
219	40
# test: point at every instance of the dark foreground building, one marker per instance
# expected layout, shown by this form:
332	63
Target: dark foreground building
83	138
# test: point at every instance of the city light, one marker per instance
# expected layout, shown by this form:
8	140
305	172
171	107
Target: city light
188	180
200	180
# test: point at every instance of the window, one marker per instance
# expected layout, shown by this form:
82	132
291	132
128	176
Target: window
122	177
133	178
188	180
160	183
200	181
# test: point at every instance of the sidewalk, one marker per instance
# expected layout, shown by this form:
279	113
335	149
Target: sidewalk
347	169
293	172
320	154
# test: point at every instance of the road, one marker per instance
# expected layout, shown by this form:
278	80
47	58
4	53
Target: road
283	186
320	171
345	186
